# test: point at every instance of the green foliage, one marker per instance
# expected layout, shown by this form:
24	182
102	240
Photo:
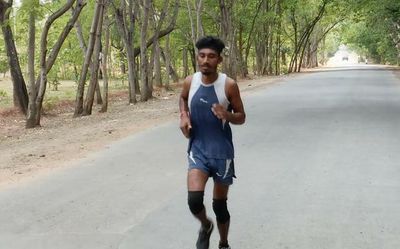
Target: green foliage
373	30
368	26
50	102
53	80
3	94
4	66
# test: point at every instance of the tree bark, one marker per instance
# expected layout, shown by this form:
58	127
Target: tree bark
126	26
106	27
194	27
185	62
143	52
88	57
199	23
94	77
19	88
156	44
79	35
228	35
157	64
167	60
168	64
31	121
278	39
251	35
298	54
47	63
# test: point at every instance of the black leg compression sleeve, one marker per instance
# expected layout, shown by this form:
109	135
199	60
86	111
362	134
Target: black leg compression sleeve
221	211
195	201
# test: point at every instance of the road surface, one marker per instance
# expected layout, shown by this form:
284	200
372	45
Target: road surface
318	166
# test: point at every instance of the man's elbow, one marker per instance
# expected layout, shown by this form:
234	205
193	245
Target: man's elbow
241	120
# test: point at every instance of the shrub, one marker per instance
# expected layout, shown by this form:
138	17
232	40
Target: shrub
3	94
50	103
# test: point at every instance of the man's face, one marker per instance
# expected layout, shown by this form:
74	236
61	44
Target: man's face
208	60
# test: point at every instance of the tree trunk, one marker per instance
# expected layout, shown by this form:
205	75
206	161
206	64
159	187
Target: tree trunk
228	35
156	44
88	57
19	88
143	52
199	23
157	64
298	54
150	69
82	44
270	51
167	60
126	27
263	42
168	64
185	62
99	99
79	35
31	118
251	36
242	67
106	28
94	77
46	63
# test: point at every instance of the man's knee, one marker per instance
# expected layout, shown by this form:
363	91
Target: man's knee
195	201
221	211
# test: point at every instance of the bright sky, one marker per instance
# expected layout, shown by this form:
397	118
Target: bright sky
343	57
17	3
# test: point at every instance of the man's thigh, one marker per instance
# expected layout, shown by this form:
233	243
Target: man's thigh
196	180
220	191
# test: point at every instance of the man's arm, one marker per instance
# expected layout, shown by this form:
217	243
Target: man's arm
185	124
233	94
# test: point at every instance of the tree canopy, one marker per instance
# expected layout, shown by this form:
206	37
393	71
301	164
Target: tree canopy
151	42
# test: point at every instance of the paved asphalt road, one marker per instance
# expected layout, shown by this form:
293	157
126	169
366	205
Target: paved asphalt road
318	166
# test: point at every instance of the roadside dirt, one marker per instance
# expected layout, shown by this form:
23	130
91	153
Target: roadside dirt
30	153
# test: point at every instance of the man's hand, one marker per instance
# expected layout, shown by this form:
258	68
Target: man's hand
185	124
220	112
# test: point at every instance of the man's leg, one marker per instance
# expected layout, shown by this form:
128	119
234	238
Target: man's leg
196	182
221	211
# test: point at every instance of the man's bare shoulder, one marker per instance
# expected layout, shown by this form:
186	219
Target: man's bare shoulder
230	82
188	80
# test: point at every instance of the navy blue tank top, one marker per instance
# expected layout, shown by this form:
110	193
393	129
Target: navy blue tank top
210	135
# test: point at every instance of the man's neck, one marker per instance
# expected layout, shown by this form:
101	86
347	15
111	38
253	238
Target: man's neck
209	78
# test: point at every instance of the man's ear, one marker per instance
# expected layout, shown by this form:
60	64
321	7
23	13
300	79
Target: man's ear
220	59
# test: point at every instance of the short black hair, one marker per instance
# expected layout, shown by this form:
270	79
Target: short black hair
211	42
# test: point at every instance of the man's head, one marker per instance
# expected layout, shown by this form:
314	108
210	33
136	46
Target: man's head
211	42
209	53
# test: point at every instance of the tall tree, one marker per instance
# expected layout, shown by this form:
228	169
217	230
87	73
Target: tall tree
88	58
87	109
228	35
145	91
125	20
31	121
20	92
47	62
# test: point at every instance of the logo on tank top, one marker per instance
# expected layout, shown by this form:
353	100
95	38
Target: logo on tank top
203	100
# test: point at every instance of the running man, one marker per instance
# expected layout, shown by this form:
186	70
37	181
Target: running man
208	103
